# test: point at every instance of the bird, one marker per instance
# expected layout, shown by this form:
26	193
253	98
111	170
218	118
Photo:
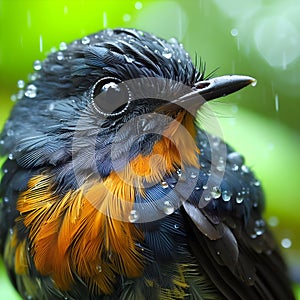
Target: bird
113	189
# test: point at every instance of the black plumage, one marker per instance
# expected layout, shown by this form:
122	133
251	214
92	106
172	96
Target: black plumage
195	228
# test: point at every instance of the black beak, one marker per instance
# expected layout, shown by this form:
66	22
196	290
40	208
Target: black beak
218	87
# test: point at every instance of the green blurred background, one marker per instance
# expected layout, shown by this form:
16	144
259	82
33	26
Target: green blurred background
260	38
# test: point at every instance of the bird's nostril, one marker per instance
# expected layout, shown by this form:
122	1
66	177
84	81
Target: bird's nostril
202	84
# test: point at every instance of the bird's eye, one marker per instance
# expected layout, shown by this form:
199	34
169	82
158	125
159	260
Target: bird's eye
110	96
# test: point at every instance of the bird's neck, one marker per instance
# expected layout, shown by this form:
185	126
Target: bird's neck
89	224
175	149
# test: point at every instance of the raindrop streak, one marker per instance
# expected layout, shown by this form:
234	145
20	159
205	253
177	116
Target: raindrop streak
276	103
41	43
28	19
233	67
234	32
286	243
66	9
284	60
104	19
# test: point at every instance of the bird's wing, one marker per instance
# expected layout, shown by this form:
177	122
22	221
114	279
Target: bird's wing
226	231
236	265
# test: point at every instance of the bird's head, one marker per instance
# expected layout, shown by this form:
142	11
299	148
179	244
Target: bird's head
111	99
104	124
